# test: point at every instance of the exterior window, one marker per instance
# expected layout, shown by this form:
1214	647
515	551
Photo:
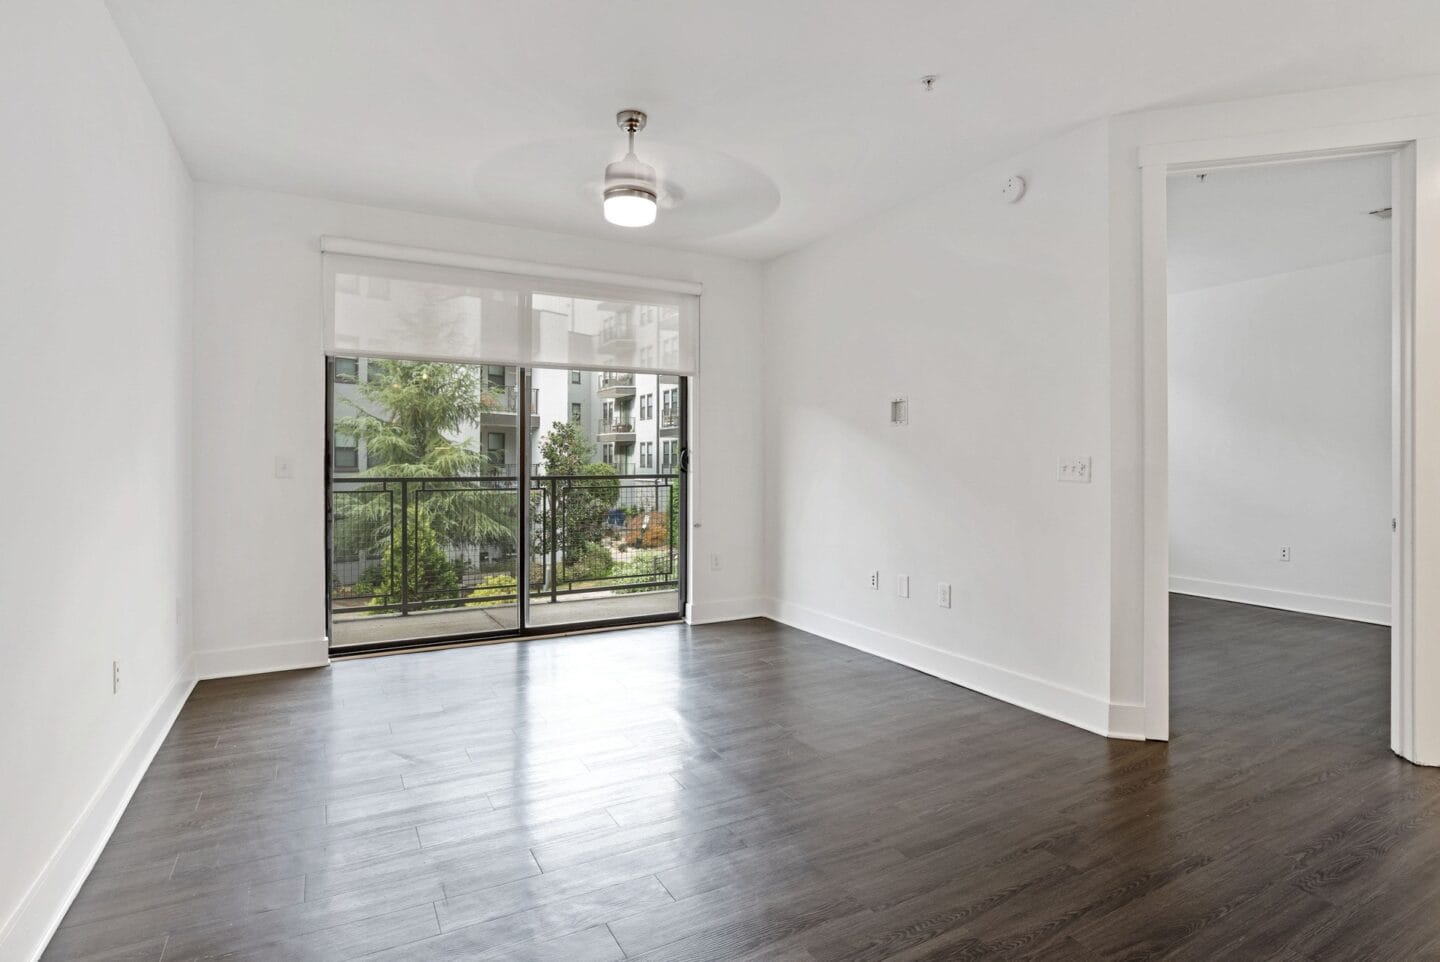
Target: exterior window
607	453
347	455
574	377
494	375
347	370
575	414
495	447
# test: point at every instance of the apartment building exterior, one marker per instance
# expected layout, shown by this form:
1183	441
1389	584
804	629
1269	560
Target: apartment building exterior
631	421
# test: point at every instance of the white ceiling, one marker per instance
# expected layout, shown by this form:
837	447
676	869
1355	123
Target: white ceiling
1244	222
775	121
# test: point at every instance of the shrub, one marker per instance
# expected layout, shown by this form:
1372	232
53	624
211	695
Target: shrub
494	591
640	573
647	530
431	576
592	563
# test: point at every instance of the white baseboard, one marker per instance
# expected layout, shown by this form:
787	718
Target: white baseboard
1025	691
259	659
1347	608
34	922
733	609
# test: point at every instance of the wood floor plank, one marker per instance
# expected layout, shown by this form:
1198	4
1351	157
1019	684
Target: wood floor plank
748	792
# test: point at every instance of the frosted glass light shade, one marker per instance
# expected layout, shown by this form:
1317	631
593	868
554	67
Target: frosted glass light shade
630	192
627	207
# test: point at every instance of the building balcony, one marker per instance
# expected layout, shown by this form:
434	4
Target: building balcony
615	429
614	385
505	406
669	421
617	334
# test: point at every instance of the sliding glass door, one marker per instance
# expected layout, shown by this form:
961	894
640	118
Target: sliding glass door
430	538
605	529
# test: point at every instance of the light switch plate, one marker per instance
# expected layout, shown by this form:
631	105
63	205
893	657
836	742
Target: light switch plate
1075	471
902	586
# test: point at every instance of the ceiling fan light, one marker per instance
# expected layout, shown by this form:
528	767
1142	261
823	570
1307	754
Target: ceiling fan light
630	207
630	192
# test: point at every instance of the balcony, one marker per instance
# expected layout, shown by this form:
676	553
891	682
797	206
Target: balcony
505	406
614	385
615	429
617	335
406	563
669	420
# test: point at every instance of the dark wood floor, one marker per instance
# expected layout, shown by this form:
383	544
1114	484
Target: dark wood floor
746	791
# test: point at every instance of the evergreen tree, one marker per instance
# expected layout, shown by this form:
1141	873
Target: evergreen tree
410	418
416	573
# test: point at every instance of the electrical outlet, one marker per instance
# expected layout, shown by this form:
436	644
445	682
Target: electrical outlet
114	677
715	563
942	598
1284	552
874	581
902	585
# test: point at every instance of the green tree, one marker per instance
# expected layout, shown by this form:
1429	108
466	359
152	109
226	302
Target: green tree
411	408
580	494
416	573
410	416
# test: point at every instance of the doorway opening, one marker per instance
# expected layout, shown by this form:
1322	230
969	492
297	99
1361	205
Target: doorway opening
480	501
1279	311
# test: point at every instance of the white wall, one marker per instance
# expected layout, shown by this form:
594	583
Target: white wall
993	320
1280	435
260	393
94	425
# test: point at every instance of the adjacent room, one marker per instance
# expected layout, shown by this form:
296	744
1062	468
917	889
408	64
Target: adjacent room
535	480
1282	412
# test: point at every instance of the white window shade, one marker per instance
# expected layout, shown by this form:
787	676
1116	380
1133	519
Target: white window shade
391	307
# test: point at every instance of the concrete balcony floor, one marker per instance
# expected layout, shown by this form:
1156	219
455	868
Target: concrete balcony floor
348	631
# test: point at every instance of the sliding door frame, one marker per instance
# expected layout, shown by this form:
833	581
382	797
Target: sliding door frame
523	627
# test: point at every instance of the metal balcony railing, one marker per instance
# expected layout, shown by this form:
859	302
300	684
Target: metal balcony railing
669	417
610	379
618	329
401	546
616	425
506	400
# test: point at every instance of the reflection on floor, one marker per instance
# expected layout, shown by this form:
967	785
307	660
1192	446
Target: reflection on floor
574	609
748	791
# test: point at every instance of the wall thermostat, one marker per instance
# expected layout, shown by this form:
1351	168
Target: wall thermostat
1014	189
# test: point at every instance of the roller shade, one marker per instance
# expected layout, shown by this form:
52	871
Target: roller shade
393	307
